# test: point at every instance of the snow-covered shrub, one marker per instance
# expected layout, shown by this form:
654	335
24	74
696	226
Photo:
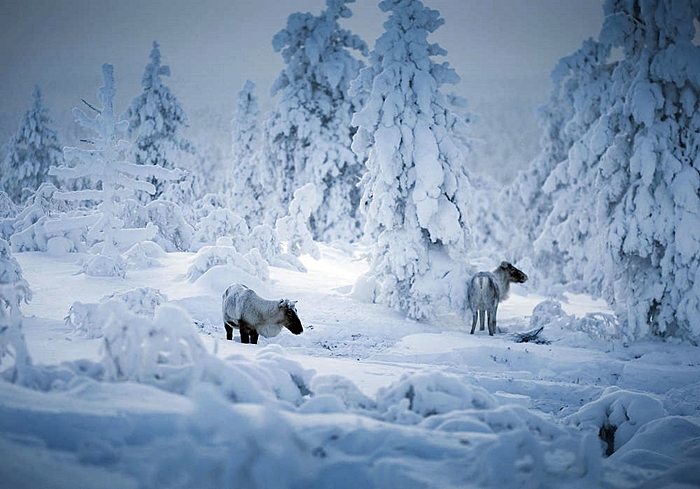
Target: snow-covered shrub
14	289
31	152
218	223
157	120
597	325
174	233
223	253
151	351
416	189
265	240
144	255
307	137
417	396
616	416
91	319
293	228
342	388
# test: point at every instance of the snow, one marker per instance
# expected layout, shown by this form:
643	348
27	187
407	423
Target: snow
364	397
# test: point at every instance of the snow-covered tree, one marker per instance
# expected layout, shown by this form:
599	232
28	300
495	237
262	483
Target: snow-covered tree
294	229
579	96
157	121
416	190
249	188
113	178
628	220
31	152
308	136
13	291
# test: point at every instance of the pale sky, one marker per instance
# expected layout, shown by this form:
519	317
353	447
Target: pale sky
213	46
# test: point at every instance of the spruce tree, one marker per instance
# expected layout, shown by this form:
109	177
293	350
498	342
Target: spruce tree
157	121
307	138
250	190
113	178
31	152
627	220
415	189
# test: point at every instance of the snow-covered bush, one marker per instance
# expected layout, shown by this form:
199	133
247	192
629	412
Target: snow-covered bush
616	416
293	228
597	325
221	222
144	255
415	191
151	351
91	319
114	181
31	152
174	233
224	253
307	137
424	394
14	289
157	120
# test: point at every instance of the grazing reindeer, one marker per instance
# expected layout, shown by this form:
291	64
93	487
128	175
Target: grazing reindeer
246	311
487	289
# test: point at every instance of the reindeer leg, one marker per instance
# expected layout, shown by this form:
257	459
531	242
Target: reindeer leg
245	337
492	320
475	315
482	319
254	337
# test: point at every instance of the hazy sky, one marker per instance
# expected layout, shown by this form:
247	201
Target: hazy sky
212	46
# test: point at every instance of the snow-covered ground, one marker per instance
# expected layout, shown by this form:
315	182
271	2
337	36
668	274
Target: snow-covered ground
363	398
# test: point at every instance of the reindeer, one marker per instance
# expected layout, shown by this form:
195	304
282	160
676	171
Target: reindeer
487	289
246	311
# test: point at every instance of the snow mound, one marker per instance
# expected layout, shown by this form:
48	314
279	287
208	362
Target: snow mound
616	416
425	394
90	319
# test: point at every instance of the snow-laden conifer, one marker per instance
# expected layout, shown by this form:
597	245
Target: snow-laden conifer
14	290
157	122
627	219
31	152
307	138
580	94
416	190
249	186
114	181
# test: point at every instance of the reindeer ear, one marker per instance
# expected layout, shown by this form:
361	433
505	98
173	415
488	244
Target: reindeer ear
281	303
504	264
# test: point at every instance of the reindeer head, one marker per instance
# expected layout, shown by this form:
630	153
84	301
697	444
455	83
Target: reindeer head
514	275
291	319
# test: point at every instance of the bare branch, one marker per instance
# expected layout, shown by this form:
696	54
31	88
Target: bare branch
91	106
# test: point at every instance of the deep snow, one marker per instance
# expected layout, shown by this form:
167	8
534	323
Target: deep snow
363	398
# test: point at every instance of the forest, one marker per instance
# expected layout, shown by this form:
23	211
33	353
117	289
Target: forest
362	193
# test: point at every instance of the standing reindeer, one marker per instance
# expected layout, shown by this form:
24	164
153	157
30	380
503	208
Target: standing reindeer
487	289
252	315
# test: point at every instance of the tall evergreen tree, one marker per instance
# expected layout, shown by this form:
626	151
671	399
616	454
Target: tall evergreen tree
249	188
31	152
113	178
157	120
627	220
308	137
416	189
